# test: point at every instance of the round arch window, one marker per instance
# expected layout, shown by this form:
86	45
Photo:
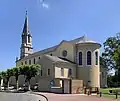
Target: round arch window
64	53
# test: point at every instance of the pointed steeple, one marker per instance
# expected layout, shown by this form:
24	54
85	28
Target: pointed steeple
26	45
25	28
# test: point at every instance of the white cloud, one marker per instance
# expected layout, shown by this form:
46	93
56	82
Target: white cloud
45	5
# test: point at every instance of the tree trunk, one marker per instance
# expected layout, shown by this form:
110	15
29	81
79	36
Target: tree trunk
29	85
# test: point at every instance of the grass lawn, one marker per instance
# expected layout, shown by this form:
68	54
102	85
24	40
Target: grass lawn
106	90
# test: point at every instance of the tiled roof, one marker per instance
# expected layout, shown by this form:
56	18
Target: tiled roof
67	60
55	58
82	39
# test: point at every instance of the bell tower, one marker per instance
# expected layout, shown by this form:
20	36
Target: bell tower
26	45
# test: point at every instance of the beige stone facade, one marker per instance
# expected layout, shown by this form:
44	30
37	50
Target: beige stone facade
76	59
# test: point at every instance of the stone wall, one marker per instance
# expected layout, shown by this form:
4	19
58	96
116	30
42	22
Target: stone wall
44	84
76	86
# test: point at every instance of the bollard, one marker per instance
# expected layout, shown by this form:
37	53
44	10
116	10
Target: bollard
100	94
88	93
116	95
85	91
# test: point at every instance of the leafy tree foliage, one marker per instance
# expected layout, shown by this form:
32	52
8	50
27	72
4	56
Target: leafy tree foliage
103	63
27	70
111	54
111	59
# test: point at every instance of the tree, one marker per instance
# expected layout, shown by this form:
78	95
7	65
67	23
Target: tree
117	57
111	57
111	53
9	73
103	63
29	71
4	77
16	72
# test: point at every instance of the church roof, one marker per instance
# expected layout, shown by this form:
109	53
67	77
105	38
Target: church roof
74	41
65	59
55	58
82	39
45	50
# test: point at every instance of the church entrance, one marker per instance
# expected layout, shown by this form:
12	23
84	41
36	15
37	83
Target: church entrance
61	85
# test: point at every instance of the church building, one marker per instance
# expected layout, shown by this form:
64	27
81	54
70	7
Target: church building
77	59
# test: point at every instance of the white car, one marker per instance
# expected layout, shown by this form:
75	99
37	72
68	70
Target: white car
2	88
10	88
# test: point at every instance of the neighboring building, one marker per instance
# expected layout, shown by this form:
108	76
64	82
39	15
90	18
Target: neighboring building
77	59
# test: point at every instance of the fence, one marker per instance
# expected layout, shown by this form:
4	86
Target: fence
112	93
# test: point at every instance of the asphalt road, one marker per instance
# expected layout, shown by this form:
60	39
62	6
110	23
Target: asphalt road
20	97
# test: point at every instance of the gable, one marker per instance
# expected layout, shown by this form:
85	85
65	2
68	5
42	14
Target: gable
65	46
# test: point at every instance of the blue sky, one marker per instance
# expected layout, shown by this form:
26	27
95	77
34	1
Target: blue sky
53	22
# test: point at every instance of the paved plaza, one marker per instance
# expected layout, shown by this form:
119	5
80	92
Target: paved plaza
51	97
74	97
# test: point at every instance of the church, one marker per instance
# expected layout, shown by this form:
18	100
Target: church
77	59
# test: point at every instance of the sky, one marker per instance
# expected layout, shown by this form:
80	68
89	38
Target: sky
52	21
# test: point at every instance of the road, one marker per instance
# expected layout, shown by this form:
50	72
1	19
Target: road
20	97
50	96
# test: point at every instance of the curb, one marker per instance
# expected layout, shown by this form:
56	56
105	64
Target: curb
7	91
40	95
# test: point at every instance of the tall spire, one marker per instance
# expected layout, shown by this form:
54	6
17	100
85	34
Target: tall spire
26	29
26	45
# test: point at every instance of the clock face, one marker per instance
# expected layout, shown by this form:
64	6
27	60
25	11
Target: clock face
64	53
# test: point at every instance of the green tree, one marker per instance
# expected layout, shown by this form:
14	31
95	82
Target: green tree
9	73
29	71
103	63
111	53
16	72
117	57
4	77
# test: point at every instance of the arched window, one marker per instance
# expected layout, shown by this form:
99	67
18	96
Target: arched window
29	62
62	71
34	60
80	58
88	58
28	39
41	72
21	63
64	53
48	71
70	72
25	62
96	58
